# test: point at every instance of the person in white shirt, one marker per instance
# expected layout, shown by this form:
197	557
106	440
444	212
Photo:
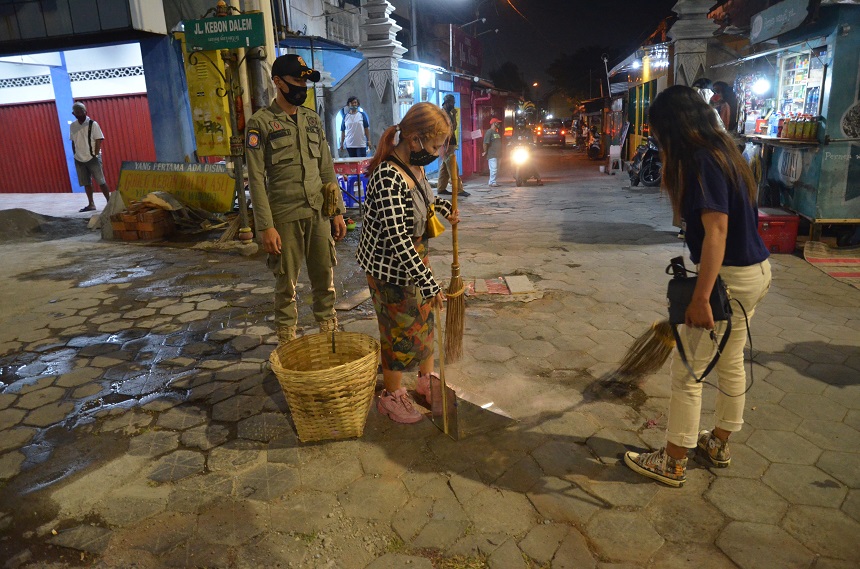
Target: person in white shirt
87	138
355	129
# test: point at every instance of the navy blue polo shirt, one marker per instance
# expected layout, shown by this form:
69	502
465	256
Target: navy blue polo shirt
711	190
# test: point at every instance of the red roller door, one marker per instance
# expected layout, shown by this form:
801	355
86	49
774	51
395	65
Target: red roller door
127	128
32	149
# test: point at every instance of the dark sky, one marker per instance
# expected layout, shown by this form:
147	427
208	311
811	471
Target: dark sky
551	27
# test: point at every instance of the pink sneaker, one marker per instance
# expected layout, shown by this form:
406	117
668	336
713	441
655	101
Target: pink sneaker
398	407
422	386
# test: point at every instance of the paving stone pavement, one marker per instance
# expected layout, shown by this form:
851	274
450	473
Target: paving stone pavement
139	426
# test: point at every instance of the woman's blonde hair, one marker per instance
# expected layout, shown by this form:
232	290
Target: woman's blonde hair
425	120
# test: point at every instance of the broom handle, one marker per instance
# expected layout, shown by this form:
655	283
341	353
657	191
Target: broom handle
454	239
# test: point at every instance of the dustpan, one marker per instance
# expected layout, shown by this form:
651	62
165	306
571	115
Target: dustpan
456	413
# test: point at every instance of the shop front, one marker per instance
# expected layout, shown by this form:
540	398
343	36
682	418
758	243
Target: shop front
799	105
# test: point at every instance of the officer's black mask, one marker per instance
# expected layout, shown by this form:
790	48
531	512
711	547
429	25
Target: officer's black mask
295	94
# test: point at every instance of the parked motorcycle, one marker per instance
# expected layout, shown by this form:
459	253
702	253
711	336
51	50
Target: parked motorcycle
646	166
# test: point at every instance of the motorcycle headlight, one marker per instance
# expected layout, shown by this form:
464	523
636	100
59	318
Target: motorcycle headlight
520	156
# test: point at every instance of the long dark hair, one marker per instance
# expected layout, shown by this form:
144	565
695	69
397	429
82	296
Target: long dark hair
423	119
683	124
727	94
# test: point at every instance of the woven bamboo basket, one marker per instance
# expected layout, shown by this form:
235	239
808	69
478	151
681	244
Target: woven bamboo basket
329	381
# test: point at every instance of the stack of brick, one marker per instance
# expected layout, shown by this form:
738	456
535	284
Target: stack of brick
141	221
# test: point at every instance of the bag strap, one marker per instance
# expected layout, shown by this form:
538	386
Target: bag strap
716	358
408	170
90	138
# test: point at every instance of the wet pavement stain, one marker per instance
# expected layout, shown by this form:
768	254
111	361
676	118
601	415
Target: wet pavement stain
122	352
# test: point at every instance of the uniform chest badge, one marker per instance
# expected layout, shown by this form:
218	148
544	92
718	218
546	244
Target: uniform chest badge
276	126
312	121
253	140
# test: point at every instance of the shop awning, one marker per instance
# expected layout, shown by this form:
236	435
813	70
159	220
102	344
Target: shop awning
313	42
805	44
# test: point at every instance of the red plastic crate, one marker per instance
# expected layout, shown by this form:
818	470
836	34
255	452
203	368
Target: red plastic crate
778	229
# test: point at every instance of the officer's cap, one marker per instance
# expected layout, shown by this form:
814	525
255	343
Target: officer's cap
293	65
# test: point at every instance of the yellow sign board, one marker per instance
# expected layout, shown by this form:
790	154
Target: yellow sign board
207	186
209	111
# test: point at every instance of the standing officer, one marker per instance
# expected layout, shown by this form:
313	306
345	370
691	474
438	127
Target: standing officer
288	162
448	169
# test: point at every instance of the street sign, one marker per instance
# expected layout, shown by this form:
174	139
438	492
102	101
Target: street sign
227	32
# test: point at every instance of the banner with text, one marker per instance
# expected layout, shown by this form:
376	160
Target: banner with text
466	52
207	186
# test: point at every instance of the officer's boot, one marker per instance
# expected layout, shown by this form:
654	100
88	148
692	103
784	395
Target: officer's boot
329	325
286	334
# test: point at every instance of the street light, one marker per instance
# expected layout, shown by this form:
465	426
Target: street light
535	84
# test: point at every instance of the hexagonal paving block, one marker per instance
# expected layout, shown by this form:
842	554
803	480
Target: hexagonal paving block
48	414
10	418
89	538
762	546
181	418
746	463
375	498
783	446
496	510
814	406
684	518
265	427
236	455
542	541
747	500
639	537
332	473
127	505
41	397
560	459
804	485
847	395
196	493
830	435
490	353
232	523
129	422
10	464
844	466
305	511
851	505
177	465
267	481
237	408
153	444
205	437
772	417
564	501
825	531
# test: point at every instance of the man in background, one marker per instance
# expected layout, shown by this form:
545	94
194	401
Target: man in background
87	138
448	169
492	147
355	129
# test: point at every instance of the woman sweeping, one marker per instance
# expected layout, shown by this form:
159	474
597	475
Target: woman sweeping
393	251
711	186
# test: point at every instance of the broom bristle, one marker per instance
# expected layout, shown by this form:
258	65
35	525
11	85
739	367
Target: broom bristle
454	319
649	352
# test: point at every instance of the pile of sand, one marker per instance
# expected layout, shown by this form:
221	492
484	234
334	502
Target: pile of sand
24	225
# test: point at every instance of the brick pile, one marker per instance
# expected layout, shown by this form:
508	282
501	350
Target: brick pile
141	221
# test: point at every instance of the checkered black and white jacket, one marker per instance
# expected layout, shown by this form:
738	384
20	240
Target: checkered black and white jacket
385	249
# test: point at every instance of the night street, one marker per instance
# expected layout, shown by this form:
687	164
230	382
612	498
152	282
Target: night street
140	426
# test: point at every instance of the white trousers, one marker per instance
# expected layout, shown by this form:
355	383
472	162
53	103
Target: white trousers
749	285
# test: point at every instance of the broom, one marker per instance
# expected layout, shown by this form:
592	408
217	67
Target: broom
456	299
649	352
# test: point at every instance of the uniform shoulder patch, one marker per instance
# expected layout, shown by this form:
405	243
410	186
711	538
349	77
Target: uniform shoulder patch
253	139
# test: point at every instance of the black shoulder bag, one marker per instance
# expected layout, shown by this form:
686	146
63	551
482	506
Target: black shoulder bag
680	294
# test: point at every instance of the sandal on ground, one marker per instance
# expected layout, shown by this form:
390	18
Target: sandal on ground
88	208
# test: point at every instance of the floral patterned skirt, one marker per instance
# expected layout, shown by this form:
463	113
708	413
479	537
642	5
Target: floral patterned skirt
405	321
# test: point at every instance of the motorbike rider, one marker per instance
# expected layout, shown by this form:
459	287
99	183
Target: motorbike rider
523	137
